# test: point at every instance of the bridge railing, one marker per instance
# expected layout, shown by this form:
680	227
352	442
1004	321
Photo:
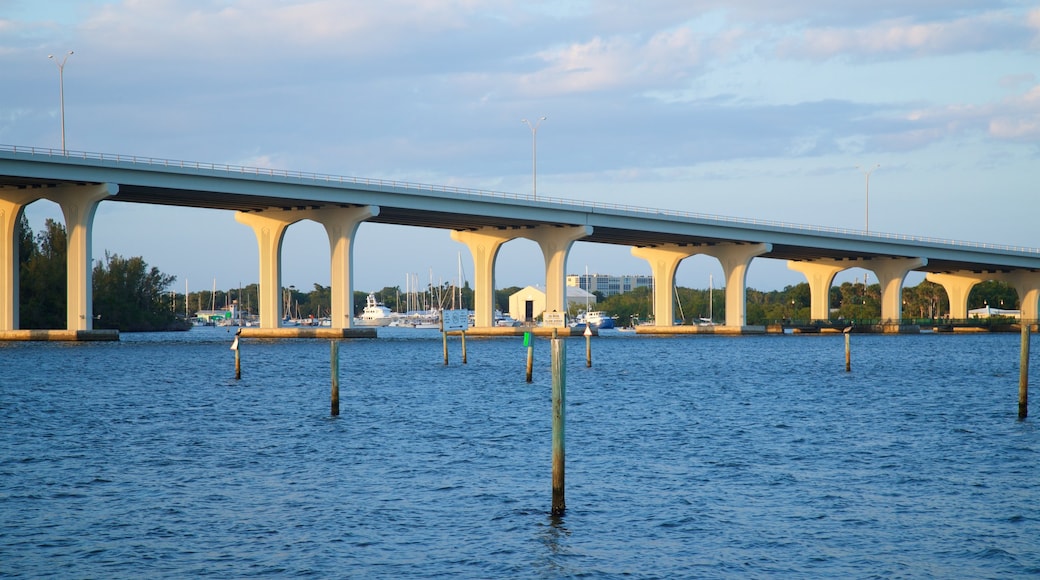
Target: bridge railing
312	177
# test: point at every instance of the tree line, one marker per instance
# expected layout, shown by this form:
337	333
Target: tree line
128	294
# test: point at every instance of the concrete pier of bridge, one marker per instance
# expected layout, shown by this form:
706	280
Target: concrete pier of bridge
78	205
484	245
734	259
341	225
891	273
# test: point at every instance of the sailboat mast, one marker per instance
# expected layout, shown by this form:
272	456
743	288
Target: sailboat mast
711	301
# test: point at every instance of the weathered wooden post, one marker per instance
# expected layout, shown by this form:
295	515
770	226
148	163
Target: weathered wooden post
530	355
588	346
559	414
335	378
238	357
1023	374
848	349
444	338
463	347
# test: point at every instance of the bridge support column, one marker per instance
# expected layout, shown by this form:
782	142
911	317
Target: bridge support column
891	273
556	243
664	261
958	286
483	245
341	224
269	228
12	203
735	259
1027	284
820	275
78	205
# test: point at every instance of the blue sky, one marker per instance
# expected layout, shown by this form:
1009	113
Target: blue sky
746	108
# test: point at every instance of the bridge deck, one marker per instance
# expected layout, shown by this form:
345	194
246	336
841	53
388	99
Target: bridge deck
226	187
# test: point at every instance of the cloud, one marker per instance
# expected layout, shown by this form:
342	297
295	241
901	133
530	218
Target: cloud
252	29
908	36
609	63
1018	118
1014	119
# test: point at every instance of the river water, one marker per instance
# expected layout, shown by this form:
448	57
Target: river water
703	456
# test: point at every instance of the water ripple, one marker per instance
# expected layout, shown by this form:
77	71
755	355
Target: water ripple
709	457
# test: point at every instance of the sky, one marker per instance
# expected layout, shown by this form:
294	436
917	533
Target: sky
739	108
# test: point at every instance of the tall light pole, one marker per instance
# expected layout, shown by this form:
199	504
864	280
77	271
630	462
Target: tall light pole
61	93
534	153
866	176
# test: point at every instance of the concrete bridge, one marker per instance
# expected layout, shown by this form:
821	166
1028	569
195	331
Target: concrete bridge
269	201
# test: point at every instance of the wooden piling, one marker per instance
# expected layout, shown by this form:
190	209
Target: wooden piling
588	346
529	343
238	358
463	347
559	405
1023	374
335	377
444	338
848	350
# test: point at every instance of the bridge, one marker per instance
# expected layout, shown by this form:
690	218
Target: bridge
269	201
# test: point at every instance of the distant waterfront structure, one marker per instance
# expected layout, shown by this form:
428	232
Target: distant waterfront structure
988	311
608	285
527	304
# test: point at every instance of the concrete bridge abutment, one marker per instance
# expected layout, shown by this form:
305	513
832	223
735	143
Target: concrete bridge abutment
735	259
556	243
1027	284
12	204
79	204
341	225
484	245
269	228
958	286
820	275
891	272
664	261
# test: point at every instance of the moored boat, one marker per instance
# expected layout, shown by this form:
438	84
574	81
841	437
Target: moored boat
374	314
599	319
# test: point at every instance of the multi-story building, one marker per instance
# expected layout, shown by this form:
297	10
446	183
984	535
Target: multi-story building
608	285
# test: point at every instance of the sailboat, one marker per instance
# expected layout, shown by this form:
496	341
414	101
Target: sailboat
597	319
710	320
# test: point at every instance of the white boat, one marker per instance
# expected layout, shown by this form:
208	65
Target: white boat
418	319
505	320
374	314
599	319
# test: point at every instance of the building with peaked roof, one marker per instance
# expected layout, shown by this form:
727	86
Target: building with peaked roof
527	304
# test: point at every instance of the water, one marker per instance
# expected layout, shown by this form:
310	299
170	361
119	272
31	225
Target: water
708	457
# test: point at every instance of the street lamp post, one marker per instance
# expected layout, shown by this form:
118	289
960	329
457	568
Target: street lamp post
866	176
61	93
534	153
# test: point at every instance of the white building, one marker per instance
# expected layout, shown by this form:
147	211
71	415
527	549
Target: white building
528	304
609	285
989	311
